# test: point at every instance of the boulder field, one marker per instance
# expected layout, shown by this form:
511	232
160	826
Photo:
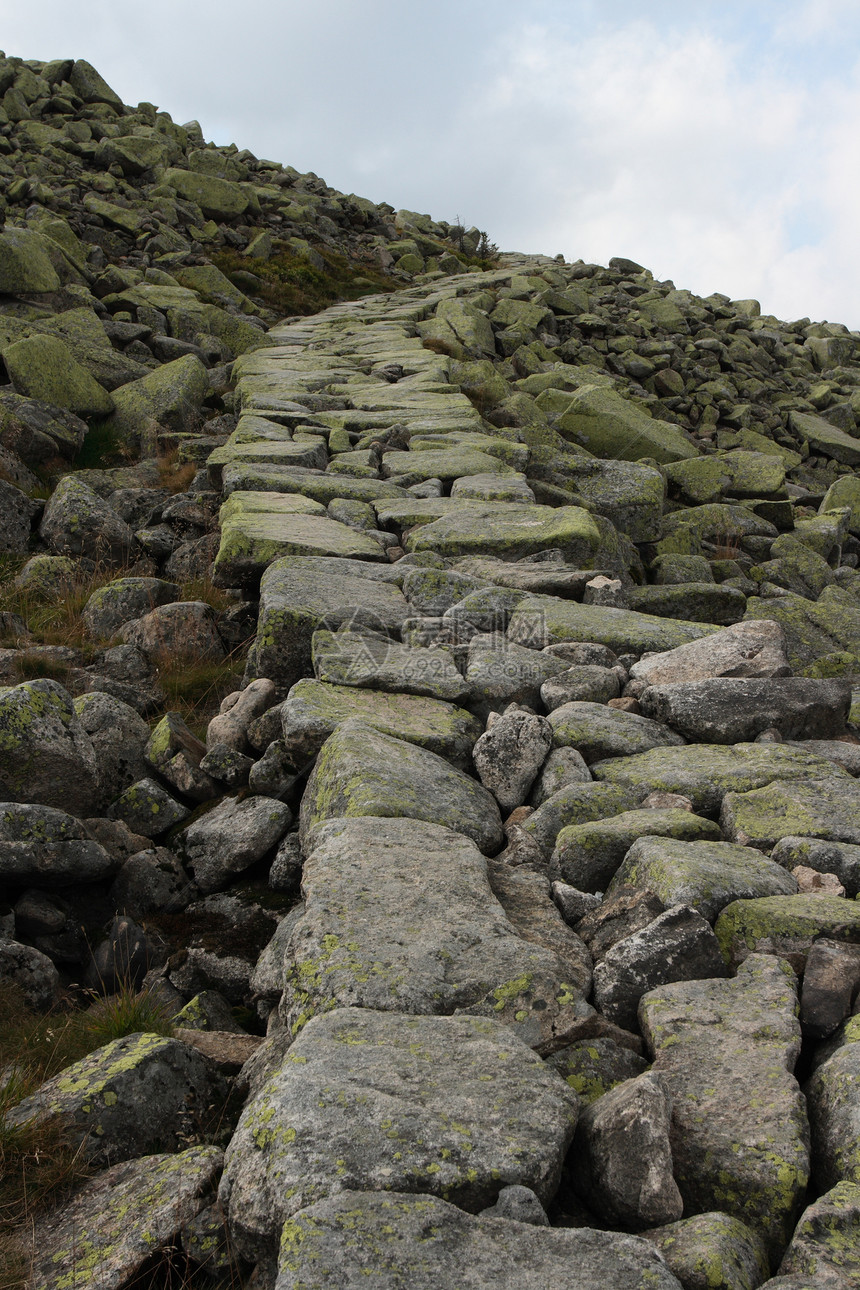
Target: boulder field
505	909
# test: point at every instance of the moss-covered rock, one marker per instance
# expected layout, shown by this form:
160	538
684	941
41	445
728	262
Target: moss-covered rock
706	772
42	367
170	396
706	875
597	731
314	709
45	754
609	425
589	854
362	771
547	620
785	925
761	817
712	1252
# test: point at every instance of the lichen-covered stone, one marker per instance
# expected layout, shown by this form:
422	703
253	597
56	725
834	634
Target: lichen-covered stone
547	620
400	916
361	771
814	808
739	1138
706	875
119	1220
825	1250
599	732
46	755
785	925
712	1252
706	772
395	1239
133	1096
589	854
314	709
453	1106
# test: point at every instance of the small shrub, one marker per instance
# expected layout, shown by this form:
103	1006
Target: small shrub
292	285
175	475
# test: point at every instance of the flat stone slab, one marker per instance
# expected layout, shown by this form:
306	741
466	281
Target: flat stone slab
511	532
278	453
363	661
254	535
295	600
826	438
828	809
314	710
611	426
266	477
785	925
120	1219
706	875
739	1134
547	620
393	1240
597	731
400	916
456	1107
706	772
361	771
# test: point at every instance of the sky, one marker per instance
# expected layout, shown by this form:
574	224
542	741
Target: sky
716	142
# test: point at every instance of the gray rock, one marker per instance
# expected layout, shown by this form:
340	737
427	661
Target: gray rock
400	916
127	1098
122	600
575	804
830	983
186	631
236	713
725	1050
753	649
315	709
117	1221
841	858
295	601
678	945
31	972
519	1204
706	1246
46	755
361	771
824	1249
501	672
227	766
286	871
367	661
580	684
427	1244
148	809
834	1117
119	736
817	807
563	766
17	512
594	1066
510	754
231	837
728	710
598	732
706	875
622	1157
588	855
78	522
44	847
152	882
705	773
399	1102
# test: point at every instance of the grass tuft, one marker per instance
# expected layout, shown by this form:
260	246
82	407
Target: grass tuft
292	285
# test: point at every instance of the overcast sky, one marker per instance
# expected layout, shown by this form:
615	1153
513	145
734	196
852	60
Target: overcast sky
714	141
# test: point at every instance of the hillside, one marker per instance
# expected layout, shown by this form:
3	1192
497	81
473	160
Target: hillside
429	741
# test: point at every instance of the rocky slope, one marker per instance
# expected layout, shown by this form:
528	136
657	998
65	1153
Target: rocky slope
507	911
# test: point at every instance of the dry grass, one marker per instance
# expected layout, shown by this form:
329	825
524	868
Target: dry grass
195	689
175	475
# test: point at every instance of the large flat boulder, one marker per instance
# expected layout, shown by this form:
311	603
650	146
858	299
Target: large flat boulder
377	1101
547	620
609	425
394	1239
314	709
400	916
730	710
706	772
361	771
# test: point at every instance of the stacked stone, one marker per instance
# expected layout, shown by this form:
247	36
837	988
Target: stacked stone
547	751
